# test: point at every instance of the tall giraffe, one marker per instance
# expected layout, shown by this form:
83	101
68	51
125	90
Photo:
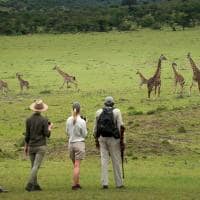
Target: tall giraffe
142	78
154	81
67	78
196	73
3	86
178	78
22	82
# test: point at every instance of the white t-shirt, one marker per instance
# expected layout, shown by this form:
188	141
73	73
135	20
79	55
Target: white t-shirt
76	132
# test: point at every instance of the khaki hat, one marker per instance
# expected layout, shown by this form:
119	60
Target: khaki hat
109	101
38	106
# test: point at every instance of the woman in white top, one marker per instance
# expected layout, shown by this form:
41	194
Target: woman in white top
77	131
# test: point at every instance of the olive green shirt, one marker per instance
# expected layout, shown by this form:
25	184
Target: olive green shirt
36	130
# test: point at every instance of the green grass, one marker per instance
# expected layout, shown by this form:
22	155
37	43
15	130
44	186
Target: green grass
104	64
150	178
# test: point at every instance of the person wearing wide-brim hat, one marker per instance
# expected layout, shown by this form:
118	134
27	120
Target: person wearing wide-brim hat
3	189
38	128
38	106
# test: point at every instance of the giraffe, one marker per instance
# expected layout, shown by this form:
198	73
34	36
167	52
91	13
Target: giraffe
22	82
178	78
154	81
67	78
3	86
143	79
196	73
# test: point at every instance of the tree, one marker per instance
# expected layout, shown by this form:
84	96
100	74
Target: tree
147	21
129	2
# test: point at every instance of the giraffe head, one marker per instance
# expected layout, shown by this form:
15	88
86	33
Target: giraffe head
162	57
18	75
174	64
189	55
137	72
55	67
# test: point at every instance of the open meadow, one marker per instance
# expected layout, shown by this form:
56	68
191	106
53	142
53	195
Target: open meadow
162	133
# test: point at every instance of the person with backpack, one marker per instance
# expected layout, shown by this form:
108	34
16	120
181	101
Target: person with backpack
3	189
77	131
38	128
107	127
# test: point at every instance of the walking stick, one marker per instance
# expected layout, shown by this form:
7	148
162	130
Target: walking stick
122	147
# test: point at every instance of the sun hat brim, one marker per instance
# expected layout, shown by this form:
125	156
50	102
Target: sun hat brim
43	109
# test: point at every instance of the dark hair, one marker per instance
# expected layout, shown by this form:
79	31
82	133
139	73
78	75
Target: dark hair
76	110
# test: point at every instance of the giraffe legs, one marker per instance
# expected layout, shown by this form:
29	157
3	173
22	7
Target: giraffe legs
181	89
193	82
68	84
2	89
155	90
199	86
5	90
76	84
62	85
140	85
21	87
149	93
191	88
175	86
182	86
157	87
159	90
149	90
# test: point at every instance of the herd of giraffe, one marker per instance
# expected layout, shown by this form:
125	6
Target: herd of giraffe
155	81
152	83
25	84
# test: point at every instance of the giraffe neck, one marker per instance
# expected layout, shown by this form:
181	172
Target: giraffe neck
60	72
174	69
63	74
158	71
19	78
141	76
193	65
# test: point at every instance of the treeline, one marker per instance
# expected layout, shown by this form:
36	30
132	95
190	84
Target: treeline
47	4
24	19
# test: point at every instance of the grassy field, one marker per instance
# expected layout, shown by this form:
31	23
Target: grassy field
159	131
150	178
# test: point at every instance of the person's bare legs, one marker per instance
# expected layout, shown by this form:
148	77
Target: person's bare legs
76	172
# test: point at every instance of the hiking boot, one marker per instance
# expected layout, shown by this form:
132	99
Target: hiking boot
29	187
105	187
76	187
37	188
120	187
3	190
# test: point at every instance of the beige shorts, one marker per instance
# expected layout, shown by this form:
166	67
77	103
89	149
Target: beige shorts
77	150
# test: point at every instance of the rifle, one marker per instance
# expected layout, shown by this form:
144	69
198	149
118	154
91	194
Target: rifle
122	147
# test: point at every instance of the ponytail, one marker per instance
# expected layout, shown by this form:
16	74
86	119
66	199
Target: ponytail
74	114
75	111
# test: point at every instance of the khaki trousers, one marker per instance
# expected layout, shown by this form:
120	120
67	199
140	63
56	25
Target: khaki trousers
110	147
36	155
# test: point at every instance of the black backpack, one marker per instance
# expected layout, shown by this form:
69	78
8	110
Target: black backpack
106	127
